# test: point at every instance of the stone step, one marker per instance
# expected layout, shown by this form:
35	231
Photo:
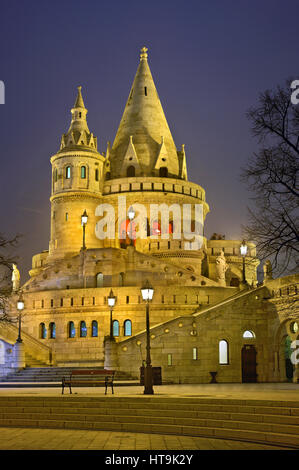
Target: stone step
217	422
252	420
49	374
266	406
289	440
171	414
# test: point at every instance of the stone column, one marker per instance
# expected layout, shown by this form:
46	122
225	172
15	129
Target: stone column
296	374
111	354
19	355
276	372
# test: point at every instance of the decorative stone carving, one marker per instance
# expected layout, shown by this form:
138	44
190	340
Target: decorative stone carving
15	277
221	268
267	270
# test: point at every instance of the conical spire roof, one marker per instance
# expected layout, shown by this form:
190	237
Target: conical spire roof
79	100
78	133
144	123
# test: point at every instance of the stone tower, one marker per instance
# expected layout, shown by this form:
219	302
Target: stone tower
77	170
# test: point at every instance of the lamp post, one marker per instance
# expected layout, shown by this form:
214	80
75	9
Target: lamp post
243	251
111	303
84	218
131	214
20	307
147	295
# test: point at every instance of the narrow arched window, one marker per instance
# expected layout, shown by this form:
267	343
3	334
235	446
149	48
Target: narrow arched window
83	172
72	330
115	328
42	331
163	172
52	328
121	279
94	329
68	172
83	329
223	352
108	175
2	352
55	175
128	328
131	171
100	280
97	174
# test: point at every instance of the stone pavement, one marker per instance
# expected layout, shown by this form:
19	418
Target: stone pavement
56	439
263	391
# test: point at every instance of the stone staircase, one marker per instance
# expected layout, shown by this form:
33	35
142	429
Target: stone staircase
36	376
268	422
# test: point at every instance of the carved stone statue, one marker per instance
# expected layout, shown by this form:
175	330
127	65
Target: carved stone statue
15	277
221	268
267	270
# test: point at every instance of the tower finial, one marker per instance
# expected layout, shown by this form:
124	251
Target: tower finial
79	100
143	55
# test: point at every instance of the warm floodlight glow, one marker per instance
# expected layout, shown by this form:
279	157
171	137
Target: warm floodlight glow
147	292
243	248
131	213
111	299
84	218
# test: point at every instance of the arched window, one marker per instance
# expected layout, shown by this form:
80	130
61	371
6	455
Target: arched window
248	334
223	352
55	175
115	328
97	174
131	171
128	328
52	328
72	330
68	172
163	172
94	329
42	331
83	329
108	175
83	172
2	352
121	279
100	280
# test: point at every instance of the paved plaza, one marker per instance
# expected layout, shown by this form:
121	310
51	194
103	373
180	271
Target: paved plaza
56	439
263	391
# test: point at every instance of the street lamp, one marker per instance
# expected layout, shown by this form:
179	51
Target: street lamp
131	214
147	295
243	251
84	218
111	303
20	307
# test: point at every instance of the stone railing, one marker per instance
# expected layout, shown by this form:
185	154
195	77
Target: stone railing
291	289
32	346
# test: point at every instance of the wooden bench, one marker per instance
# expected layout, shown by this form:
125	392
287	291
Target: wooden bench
88	377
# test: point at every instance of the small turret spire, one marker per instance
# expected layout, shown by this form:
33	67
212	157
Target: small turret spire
79	100
78	133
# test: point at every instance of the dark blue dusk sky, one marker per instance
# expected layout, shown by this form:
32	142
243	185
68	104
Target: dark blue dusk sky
209	58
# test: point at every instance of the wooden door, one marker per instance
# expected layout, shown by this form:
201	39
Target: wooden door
249	364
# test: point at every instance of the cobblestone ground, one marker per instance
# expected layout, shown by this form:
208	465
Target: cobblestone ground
56	439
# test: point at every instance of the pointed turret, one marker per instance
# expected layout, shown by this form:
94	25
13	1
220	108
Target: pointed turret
144	123
78	133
